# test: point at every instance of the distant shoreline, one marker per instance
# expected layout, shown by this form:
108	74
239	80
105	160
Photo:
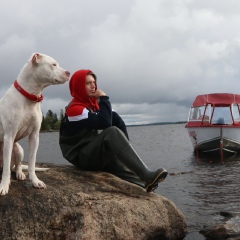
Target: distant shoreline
159	123
132	125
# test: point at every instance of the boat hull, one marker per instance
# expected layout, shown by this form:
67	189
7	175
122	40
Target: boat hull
215	140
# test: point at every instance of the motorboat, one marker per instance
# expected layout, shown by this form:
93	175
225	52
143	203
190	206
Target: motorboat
214	124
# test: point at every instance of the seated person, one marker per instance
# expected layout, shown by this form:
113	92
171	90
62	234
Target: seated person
110	151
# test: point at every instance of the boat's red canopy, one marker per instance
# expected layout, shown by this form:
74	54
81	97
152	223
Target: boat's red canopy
216	98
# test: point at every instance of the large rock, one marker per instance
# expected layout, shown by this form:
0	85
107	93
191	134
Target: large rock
87	205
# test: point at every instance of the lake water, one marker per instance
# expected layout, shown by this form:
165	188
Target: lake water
207	187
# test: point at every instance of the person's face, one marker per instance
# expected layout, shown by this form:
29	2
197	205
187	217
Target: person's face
90	84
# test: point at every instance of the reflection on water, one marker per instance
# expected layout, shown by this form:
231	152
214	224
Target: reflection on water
201	188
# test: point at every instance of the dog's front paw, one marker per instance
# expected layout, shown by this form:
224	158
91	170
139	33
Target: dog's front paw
4	189
38	184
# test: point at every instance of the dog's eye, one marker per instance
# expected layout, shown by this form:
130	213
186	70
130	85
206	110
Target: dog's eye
54	64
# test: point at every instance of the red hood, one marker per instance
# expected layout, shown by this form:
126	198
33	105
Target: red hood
77	87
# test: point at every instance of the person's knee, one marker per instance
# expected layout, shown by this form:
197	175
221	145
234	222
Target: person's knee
114	132
115	140
114	135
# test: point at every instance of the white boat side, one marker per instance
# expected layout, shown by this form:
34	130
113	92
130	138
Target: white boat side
200	135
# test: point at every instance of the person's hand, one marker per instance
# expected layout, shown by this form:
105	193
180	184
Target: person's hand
98	93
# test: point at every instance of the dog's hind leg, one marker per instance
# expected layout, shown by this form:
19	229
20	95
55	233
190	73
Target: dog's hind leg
17	158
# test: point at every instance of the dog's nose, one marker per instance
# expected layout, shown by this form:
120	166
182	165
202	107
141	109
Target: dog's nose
67	73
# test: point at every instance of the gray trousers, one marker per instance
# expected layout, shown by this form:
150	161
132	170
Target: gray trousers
103	153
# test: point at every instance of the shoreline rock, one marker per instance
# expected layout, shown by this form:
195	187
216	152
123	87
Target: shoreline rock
228	230
79	205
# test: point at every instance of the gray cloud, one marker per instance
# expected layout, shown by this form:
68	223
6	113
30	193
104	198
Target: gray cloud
151	59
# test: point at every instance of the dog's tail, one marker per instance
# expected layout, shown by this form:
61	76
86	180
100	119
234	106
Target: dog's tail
25	167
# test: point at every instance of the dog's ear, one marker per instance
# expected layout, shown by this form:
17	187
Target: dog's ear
36	57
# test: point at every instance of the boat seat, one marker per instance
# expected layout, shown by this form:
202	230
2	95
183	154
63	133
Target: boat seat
220	121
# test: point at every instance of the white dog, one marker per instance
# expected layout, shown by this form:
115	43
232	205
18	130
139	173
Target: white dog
21	116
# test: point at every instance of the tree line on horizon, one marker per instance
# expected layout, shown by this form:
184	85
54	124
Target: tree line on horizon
51	122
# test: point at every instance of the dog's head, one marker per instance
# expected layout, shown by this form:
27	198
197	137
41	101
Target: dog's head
46	71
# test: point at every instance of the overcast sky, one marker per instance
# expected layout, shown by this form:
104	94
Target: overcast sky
152	57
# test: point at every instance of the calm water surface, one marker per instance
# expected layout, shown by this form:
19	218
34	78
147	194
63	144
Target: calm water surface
206	188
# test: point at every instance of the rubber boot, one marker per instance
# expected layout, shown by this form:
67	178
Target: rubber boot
131	160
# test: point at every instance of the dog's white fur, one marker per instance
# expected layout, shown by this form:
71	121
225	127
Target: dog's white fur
21	117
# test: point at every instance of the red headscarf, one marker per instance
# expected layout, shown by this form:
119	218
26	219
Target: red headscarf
80	99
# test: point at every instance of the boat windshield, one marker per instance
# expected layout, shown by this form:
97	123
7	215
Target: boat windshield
197	113
236	112
215	114
222	115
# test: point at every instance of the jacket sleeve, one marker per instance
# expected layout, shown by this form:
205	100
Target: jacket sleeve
105	117
101	119
118	122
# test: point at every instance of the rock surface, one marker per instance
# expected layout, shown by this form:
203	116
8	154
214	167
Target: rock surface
230	230
87	205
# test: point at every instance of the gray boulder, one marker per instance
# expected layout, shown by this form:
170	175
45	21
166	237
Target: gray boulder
79	205
228	230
